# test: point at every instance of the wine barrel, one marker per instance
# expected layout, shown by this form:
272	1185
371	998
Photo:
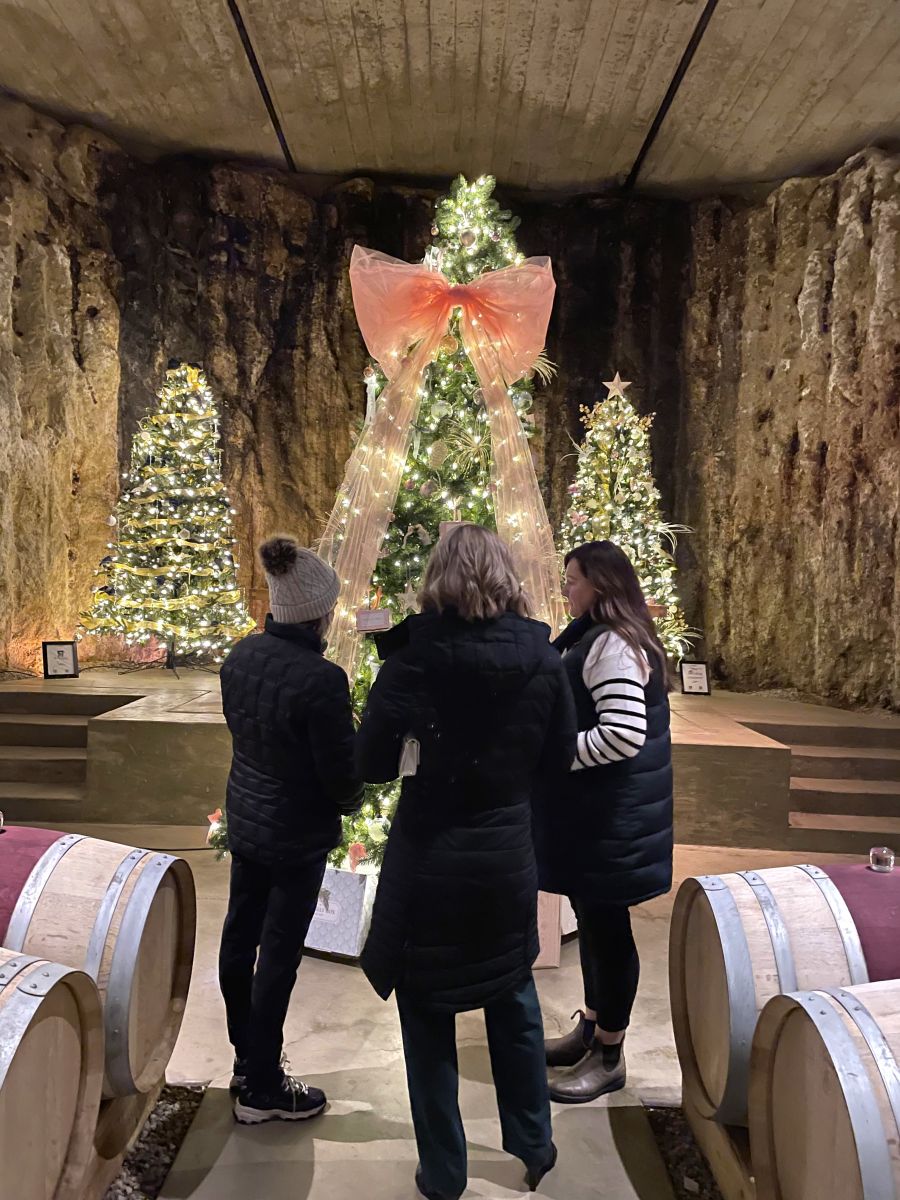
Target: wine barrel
125	916
738	940
825	1095
51	1073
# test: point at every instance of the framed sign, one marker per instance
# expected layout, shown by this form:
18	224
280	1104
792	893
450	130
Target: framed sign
60	660
694	679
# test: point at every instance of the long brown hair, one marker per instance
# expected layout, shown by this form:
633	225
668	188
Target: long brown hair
619	602
472	571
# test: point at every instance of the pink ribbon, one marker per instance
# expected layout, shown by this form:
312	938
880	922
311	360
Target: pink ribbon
403	311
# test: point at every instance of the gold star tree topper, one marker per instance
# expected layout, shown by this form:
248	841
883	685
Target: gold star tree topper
617	386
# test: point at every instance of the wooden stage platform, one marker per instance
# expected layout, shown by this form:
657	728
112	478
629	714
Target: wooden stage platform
146	748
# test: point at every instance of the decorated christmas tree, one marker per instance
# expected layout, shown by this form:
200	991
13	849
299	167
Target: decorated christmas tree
614	497
170	576
447	472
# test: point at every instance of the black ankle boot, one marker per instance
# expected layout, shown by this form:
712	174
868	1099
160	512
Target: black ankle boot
571	1049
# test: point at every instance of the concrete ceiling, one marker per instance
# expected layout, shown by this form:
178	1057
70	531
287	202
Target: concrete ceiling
675	95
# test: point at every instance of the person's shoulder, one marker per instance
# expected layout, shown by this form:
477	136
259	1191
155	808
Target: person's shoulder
610	650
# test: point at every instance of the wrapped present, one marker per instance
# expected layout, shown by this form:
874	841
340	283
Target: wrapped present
344	912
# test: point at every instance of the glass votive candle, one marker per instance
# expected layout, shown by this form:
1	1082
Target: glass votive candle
881	858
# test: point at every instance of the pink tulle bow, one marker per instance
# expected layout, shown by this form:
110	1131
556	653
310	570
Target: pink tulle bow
403	311
400	305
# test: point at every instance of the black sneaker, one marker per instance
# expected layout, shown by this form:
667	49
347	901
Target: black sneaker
238	1076
291	1100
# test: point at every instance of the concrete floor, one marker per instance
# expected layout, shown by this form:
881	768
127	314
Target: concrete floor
342	1037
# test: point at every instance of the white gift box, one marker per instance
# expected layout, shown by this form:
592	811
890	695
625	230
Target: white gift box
344	912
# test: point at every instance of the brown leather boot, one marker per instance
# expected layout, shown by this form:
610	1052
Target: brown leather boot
601	1071
571	1049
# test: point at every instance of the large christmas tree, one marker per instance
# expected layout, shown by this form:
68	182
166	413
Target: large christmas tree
170	576
615	497
447	472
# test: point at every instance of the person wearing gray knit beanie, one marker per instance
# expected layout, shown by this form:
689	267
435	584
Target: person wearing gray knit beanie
292	778
302	587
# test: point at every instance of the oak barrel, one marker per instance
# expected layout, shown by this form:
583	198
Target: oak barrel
125	916
738	940
51	1073
825	1095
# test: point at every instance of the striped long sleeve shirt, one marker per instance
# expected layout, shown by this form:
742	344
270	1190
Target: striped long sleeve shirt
615	677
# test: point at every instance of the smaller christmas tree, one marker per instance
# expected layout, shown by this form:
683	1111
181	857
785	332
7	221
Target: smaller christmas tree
170	578
615	498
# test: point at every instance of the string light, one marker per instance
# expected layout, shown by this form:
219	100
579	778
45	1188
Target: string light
178	560
614	497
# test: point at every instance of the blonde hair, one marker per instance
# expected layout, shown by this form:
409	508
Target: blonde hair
472	571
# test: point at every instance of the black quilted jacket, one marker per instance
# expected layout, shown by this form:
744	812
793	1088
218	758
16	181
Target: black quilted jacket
288	710
455	912
604	835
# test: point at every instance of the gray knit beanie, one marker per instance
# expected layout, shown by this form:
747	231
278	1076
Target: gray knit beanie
302	587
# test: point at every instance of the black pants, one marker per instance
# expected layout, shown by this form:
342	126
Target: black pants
269	911
609	962
515	1034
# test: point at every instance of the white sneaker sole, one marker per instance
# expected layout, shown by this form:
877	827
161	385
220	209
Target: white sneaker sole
258	1116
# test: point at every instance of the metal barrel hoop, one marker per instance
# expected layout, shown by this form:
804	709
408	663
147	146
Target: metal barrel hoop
20	920
880	1049
741	990
9	970
777	930
875	1169
843	919
93	958
121	973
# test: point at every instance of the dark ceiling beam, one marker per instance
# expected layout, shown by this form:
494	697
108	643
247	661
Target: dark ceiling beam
260	81
663	111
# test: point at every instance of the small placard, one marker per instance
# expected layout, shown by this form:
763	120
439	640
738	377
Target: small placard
60	660
447	527
694	679
373	620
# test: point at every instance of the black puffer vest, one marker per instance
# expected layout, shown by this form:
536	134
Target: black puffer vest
605	834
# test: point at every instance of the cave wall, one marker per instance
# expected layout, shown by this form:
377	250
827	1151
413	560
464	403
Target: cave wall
788	460
59	377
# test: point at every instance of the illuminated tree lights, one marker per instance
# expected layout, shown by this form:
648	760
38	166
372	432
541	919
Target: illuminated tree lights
170	576
614	497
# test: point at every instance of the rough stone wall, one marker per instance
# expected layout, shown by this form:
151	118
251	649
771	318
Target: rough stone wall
59	378
788	463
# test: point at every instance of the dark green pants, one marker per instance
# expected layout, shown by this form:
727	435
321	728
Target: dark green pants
515	1035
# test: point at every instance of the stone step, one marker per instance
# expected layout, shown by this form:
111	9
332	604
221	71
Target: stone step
868	732
43	764
40	801
845	762
42	729
61	703
842	833
867	797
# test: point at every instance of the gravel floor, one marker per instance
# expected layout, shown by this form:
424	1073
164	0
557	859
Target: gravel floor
147	1165
691	1177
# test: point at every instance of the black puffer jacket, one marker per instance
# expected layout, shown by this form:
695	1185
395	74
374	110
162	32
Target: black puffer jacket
288	710
455	912
604	834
